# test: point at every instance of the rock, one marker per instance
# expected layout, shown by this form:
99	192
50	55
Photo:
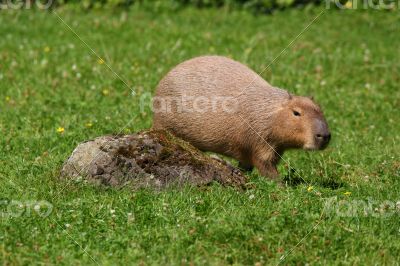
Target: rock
153	159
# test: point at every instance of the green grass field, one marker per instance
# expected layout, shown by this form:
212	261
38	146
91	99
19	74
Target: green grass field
54	93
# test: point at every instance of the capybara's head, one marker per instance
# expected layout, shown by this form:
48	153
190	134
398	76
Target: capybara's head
301	124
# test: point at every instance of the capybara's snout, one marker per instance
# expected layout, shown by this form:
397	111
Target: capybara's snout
322	135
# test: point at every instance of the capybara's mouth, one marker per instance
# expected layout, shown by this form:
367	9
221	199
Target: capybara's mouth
318	146
323	146
311	148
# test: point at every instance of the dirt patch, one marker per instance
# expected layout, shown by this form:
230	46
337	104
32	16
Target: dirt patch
147	159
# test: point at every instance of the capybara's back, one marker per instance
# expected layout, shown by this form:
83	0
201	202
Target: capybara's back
199	100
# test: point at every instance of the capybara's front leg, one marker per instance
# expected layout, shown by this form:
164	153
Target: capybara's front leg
267	169
266	161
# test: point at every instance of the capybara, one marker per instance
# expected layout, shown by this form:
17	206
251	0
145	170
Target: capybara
222	106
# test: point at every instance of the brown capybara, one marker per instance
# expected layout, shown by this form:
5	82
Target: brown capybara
220	105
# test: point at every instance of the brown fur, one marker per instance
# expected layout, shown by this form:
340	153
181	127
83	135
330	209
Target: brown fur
260	129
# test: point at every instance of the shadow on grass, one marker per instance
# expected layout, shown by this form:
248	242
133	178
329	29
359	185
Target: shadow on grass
292	178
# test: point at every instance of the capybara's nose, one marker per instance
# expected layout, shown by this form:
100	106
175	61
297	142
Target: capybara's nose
327	137
324	138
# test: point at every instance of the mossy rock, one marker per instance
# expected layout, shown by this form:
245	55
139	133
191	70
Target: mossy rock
154	159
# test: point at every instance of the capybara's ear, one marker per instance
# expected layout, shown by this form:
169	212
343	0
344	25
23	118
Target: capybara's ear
290	95
311	98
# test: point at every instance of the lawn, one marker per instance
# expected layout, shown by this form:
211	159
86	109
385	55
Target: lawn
55	93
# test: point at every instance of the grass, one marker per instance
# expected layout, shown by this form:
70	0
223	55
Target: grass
348	60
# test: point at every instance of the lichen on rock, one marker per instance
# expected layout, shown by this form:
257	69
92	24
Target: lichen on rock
155	159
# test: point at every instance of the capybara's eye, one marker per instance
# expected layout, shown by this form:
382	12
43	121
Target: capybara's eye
296	113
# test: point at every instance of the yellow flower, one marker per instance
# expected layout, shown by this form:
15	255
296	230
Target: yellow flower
100	61
46	49
60	130
89	124
105	92
349	4
347	193
8	98
310	188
